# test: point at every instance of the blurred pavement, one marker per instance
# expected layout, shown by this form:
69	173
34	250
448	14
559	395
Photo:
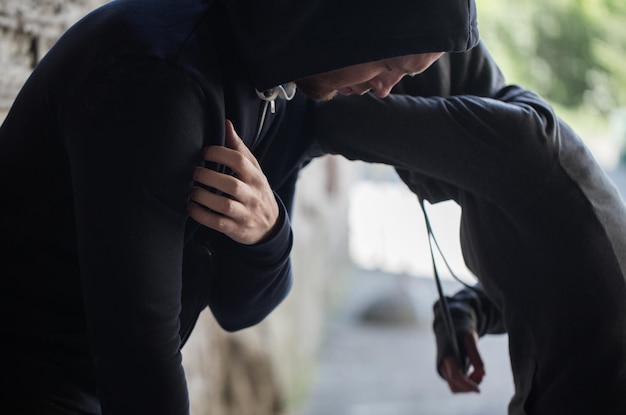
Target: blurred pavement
368	368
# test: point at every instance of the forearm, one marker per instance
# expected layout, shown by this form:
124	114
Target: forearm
250	281
483	146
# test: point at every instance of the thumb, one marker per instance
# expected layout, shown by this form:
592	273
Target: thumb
232	139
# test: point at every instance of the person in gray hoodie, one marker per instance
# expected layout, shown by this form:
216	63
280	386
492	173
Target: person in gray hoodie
109	250
543	228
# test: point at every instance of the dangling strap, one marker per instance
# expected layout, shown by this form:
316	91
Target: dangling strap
443	302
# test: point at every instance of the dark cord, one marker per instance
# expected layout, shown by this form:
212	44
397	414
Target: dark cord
443	302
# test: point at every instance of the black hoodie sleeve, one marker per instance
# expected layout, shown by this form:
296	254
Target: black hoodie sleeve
252	280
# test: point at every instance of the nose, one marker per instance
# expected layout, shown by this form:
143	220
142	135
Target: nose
383	83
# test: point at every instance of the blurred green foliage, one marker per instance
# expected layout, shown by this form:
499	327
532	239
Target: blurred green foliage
572	52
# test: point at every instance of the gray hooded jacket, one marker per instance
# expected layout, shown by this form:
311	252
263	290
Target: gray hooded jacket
542	227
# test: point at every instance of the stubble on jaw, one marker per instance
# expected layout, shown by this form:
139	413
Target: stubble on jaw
316	88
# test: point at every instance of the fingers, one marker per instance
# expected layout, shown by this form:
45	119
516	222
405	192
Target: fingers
214	220
458	381
234	159
236	156
242	205
218	203
471	348
225	183
246	223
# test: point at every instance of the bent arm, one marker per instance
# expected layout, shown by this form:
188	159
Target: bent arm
253	279
485	146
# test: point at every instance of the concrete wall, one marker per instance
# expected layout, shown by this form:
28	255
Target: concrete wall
262	370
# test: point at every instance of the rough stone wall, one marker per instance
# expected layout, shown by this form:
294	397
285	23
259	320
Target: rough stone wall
28	29
258	371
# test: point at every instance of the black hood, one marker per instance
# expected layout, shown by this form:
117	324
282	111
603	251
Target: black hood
283	41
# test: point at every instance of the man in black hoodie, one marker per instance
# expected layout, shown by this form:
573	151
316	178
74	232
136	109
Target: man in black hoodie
542	228
103	274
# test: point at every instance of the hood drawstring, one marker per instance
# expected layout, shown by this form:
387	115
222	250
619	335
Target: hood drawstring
286	92
443	303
